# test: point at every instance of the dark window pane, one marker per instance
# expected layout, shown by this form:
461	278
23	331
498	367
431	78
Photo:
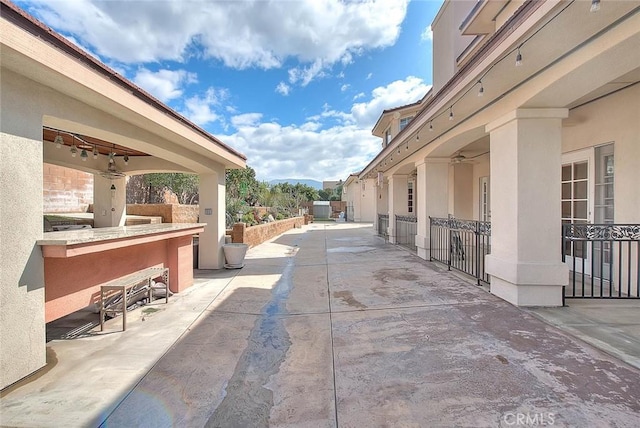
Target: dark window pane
580	209
566	209
566	190
580	190
566	173
580	171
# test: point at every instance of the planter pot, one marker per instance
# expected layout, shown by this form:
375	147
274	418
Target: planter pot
234	255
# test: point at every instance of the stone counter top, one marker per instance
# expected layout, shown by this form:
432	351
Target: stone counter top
70	243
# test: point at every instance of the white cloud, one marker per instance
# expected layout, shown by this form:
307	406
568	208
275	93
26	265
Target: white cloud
369	76
427	34
164	84
344	87
331	143
283	89
240	34
395	94
202	109
358	96
247	119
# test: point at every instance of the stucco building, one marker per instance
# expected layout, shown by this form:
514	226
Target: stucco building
531	131
61	106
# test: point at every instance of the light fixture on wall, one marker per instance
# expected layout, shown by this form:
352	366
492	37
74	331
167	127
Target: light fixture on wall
113	191
74	149
519	58
59	140
595	6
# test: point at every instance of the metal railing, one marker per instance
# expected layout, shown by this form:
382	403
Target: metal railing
383	224
604	260
461	245
406	229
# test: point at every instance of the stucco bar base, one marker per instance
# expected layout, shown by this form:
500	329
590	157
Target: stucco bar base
527	284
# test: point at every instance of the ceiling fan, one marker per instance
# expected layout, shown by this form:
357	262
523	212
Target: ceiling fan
112	172
459	158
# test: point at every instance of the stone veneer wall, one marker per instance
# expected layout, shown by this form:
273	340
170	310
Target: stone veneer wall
66	190
170	213
256	235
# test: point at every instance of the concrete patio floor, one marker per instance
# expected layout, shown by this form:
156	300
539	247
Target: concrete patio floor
329	326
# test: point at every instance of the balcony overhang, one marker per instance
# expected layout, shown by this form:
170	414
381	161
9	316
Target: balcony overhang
481	19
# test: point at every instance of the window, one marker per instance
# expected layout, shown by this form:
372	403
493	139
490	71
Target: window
404	122
387	137
410	196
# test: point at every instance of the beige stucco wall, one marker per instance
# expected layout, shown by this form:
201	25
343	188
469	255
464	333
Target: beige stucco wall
612	119
448	41
461	190
22	327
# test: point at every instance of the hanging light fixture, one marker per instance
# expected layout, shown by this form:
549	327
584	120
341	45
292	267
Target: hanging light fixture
481	90
451	113
126	159
74	149
417	137
84	155
59	141
113	191
95	152
519	58
595	6
431	126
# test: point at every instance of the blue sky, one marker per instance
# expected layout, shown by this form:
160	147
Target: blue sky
295	85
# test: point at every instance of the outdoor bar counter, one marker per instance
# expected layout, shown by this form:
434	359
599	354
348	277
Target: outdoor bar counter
77	262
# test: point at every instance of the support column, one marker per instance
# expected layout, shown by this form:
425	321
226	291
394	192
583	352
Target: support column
397	202
212	212
432	185
525	263
109	203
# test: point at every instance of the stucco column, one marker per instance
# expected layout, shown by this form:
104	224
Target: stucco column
212	212
109	205
432	186
525	263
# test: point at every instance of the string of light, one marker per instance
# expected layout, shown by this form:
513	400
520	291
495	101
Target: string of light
519	60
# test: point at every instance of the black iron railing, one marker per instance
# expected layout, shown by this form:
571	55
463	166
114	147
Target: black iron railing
461	245
406	229
604	260
383	224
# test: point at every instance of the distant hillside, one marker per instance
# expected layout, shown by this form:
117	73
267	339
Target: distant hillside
311	183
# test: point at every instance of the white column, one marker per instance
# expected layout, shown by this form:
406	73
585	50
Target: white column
109	203
212	212
525	263
432	185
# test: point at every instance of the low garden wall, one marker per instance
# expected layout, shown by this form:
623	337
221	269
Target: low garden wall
255	235
170	213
